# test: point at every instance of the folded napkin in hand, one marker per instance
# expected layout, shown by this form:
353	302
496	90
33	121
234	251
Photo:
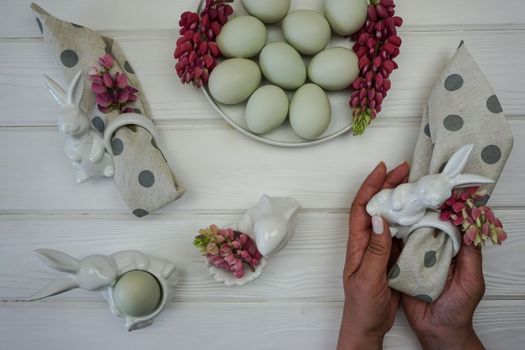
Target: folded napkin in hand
462	109
142	175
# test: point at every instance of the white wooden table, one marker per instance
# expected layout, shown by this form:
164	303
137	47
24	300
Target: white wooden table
297	303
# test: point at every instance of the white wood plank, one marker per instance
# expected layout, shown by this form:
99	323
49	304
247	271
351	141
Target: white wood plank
222	169
196	326
309	268
424	56
16	19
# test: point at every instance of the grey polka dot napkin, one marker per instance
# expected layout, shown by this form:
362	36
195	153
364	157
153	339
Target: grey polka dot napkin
142	175
462	109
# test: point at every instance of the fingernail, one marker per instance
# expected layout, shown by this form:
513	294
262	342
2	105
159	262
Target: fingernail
377	225
381	163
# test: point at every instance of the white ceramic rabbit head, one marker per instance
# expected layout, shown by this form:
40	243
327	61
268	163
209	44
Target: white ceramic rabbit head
407	203
434	190
72	121
93	273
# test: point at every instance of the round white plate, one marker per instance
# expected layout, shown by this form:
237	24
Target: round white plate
284	136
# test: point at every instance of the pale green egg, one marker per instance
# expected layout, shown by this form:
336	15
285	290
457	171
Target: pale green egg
310	111
334	68
268	11
137	293
346	16
242	36
282	65
307	31
266	109
234	80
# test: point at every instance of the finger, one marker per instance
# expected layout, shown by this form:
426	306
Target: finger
469	261
359	221
412	306
372	184
397	176
377	254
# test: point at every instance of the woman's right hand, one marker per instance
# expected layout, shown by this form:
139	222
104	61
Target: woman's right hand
447	322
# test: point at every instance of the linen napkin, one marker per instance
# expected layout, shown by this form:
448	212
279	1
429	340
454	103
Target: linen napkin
462	109
142	175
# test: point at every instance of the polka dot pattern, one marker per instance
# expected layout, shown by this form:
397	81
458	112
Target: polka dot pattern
69	58
40	27
424	297
128	68
427	130
98	124
140	212
491	154
117	146
394	273
493	104
453	82
430	258
146	178
453	122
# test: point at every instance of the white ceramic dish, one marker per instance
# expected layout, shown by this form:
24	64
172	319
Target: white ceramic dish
284	136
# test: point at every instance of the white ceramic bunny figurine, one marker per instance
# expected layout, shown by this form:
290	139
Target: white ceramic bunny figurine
83	146
102	273
407	203
271	223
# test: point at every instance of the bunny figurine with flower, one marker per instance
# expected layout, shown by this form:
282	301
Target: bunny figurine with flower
407	204
84	147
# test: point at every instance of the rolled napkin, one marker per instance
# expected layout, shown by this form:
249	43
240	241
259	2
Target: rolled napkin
462	109
142	175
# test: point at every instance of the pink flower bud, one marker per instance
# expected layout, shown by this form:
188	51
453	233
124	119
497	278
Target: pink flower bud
108	80
104	100
106	61
98	88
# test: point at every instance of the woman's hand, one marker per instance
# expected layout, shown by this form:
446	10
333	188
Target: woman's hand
447	322
370	305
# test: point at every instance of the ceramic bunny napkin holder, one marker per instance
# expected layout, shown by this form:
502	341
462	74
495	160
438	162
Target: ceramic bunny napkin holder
413	205
271	224
90	154
136	286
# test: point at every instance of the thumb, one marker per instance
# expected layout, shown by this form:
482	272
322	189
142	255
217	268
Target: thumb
377	254
469	261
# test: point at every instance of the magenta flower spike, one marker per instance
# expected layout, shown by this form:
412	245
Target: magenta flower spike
478	223
112	92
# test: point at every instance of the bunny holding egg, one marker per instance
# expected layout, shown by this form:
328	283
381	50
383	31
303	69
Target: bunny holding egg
136	286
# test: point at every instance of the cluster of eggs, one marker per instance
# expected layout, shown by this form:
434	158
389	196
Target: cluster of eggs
308	33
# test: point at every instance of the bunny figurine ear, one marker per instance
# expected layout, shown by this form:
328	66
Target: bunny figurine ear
468	180
455	166
457	162
76	89
56	90
53	288
58	261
